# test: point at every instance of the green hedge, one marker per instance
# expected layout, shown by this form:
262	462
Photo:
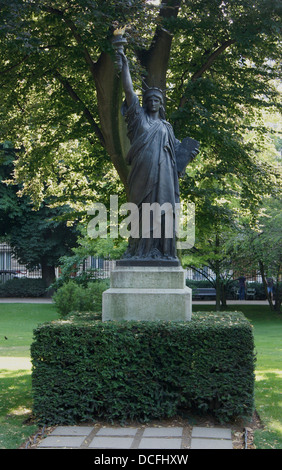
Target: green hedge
22	287
85	369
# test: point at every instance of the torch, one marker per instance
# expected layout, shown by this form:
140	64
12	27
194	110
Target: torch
118	43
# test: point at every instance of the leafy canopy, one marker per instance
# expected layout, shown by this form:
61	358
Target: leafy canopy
61	95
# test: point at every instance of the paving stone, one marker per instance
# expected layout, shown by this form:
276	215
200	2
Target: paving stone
128	437
117	432
72	431
163	432
109	442
216	433
159	443
62	441
198	443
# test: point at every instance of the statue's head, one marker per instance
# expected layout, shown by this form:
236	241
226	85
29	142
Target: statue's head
157	93
153	91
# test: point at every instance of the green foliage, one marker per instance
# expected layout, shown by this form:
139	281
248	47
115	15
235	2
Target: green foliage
60	97
100	248
260	243
37	236
195	284
73	297
23	288
85	370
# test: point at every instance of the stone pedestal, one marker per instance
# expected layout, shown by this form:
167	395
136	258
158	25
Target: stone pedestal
147	293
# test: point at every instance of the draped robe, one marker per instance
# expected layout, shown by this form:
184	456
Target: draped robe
153	176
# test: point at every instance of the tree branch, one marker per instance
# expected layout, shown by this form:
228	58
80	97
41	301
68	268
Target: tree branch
76	35
85	109
211	59
12	67
202	273
156	58
207	64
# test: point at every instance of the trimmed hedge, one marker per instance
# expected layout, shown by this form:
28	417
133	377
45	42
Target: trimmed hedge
85	369
23	287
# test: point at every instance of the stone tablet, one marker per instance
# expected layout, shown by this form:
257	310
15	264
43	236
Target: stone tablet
186	151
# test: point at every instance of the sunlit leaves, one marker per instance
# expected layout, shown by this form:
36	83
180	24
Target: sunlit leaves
50	52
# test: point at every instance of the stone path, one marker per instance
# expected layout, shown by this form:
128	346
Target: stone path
108	437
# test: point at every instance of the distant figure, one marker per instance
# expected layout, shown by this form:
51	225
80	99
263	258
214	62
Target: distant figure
270	284
242	287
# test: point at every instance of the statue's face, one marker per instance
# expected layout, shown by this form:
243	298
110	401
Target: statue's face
153	104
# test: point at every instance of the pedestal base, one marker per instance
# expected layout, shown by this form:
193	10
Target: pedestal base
147	262
146	293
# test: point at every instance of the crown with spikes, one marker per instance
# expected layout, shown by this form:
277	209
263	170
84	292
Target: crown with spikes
152	90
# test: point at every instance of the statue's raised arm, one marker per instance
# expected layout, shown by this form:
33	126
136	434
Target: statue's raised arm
126	80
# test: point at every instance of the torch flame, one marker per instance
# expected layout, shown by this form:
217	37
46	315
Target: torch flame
119	31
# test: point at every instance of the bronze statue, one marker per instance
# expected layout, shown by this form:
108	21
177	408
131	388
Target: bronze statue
156	159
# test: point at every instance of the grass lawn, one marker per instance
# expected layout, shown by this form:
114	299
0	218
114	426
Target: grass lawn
268	398
17	322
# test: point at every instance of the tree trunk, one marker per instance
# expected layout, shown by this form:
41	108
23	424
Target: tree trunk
278	298
217	283
278	292
48	276
217	274
223	295
109	95
156	59
262	272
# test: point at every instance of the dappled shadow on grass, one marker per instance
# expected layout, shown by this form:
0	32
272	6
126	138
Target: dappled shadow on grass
15	408
268	393
268	398
15	389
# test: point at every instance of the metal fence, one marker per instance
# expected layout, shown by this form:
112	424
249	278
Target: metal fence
197	279
11	268
101	269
